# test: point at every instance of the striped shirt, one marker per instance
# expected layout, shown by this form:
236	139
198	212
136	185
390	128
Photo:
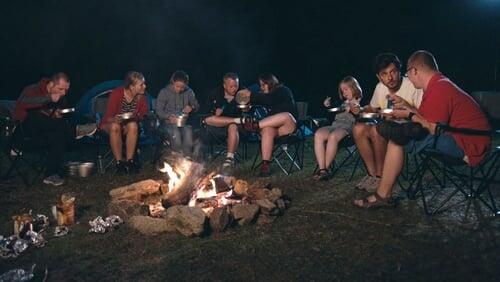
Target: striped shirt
128	107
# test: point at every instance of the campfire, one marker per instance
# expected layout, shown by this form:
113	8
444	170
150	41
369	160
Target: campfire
187	198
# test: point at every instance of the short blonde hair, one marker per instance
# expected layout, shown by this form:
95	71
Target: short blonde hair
353	84
131	78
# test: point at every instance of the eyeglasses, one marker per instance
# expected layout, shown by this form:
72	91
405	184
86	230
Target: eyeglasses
408	70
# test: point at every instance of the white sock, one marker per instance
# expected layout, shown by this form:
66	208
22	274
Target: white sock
230	155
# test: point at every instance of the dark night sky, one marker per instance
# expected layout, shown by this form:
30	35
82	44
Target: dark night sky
309	45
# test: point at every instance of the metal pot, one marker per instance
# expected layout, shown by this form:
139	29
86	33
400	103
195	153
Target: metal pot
72	168
85	169
181	120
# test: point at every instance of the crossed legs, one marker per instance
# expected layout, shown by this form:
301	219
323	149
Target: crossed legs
233	137
272	126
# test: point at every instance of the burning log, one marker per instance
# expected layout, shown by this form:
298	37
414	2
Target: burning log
135	191
183	175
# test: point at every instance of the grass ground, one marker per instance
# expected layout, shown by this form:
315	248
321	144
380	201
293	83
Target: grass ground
322	236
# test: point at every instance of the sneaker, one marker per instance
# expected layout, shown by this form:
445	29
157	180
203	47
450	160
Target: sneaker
265	171
83	130
228	162
121	167
54	179
372	185
361	183
132	167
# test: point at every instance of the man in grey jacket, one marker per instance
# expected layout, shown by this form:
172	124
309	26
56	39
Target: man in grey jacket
176	100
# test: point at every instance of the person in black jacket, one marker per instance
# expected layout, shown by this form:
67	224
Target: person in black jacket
224	108
282	119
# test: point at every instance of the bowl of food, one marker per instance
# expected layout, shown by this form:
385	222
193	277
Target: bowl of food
336	109
126	116
85	169
67	110
369	115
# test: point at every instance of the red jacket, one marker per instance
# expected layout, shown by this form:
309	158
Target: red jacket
38	95
114	106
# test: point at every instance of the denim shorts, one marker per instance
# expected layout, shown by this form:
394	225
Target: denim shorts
444	144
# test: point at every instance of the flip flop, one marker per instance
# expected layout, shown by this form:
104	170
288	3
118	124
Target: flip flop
321	175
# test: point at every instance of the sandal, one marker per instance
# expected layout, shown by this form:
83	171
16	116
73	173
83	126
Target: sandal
378	203
321	175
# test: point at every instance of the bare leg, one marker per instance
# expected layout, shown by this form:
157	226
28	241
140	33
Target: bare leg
361	133
320	138
267	142
379	148
233	138
115	140
131	131
219	121
284	122
332	145
392	168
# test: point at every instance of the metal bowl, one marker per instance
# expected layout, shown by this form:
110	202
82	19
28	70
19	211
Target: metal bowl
337	109
181	120
85	169
386	111
67	111
369	115
126	116
244	107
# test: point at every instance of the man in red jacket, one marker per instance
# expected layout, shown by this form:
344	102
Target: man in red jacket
38	109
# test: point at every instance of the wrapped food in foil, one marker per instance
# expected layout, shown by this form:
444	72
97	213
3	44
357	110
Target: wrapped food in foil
61	231
100	225
19	246
18	274
40	222
35	239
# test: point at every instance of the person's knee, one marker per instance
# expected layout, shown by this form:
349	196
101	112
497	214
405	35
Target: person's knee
114	129
232	128
359	130
333	138
132	127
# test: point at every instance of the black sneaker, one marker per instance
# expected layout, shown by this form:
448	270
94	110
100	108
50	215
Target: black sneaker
121	167
133	167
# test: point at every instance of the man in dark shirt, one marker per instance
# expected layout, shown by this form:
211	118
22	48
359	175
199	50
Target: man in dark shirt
222	104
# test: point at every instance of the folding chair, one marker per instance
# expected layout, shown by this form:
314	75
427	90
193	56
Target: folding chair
288	152
23	154
452	182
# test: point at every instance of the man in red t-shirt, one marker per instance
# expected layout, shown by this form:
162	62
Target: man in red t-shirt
442	102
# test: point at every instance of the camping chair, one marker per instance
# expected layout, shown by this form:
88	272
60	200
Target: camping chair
23	154
288	152
457	182
351	156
